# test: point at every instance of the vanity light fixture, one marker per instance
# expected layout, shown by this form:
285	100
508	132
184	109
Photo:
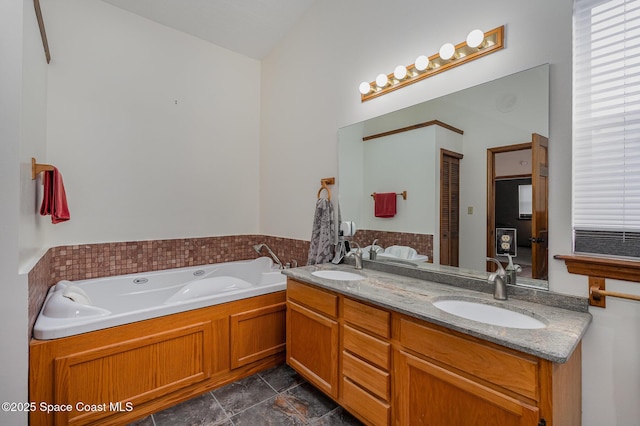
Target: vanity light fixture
382	80
475	39
447	51
365	88
422	64
400	72
477	44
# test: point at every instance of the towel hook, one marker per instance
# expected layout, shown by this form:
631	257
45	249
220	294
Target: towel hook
324	182
38	168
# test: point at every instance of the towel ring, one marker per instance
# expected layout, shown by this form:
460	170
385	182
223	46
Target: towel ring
324	182
328	192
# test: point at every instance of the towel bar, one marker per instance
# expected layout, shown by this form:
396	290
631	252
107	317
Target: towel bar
403	194
598	293
38	168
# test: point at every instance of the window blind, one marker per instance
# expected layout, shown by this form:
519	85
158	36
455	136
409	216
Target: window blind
606	127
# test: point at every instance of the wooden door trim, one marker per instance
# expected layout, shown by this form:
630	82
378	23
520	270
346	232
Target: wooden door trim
446	152
540	197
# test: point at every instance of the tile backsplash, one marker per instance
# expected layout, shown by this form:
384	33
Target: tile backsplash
423	243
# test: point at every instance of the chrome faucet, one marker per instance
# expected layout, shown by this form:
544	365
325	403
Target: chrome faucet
357	254
258	249
499	279
373	251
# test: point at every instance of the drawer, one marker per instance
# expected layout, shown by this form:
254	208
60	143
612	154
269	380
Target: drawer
372	319
516	373
365	405
367	347
312	297
366	375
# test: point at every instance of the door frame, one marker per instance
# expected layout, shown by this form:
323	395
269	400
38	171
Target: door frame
447	153
491	195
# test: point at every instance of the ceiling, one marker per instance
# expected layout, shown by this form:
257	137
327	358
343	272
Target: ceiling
248	27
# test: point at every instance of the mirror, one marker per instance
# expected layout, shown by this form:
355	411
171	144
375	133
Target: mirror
403	151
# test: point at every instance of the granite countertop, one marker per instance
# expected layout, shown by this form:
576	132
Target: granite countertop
415	297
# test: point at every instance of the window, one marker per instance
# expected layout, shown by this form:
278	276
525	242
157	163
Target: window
525	201
606	127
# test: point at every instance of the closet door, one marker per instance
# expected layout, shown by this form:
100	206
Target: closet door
449	207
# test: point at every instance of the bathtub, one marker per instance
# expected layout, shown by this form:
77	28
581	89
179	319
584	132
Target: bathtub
75	307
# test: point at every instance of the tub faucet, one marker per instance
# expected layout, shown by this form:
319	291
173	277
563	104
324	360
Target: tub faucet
499	279
258	249
357	254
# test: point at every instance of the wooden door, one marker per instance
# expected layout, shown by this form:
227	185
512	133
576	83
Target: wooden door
540	209
449	207
432	395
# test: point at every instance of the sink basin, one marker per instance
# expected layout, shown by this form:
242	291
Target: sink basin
338	275
488	314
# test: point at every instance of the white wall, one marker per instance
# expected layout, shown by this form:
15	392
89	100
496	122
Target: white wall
16	23
156	132
309	90
33	140
388	168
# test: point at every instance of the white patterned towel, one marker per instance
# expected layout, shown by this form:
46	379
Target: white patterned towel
322	234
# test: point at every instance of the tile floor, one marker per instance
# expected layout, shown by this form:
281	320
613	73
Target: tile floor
278	396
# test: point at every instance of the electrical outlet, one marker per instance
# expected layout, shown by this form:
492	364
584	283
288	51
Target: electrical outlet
470	210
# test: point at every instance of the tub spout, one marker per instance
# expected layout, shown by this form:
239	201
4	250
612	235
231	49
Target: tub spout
258	249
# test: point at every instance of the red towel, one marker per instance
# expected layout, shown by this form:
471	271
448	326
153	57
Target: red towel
385	204
54	200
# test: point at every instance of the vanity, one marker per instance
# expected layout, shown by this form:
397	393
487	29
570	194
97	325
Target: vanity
376	343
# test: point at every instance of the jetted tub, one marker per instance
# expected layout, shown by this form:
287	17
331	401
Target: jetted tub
74	307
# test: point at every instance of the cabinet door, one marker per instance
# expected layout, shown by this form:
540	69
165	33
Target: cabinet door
434	396
257	334
312	347
136	370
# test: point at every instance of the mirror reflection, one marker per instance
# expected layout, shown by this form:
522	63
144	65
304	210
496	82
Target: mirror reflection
465	161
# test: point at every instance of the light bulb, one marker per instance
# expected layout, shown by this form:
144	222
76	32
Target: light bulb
400	72
382	80
447	51
422	63
364	88
475	38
